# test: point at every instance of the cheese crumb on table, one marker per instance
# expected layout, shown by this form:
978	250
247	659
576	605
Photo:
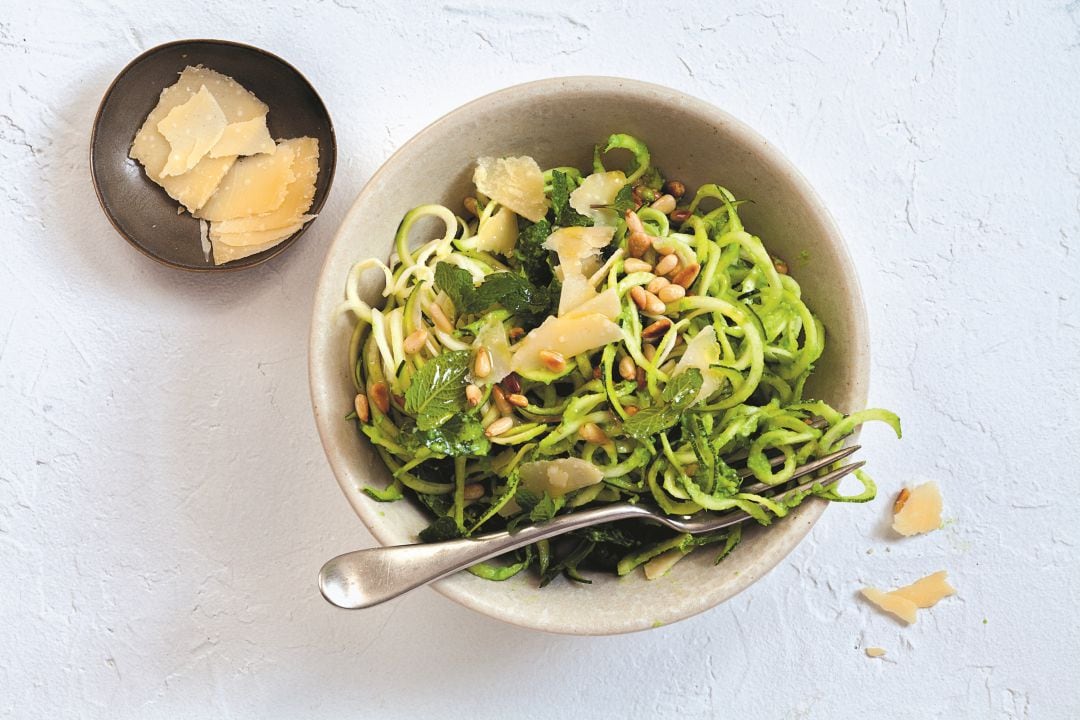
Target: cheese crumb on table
918	510
875	652
906	601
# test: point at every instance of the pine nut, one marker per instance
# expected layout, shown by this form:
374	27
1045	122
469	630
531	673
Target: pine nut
517	400
637	294
649	351
680	216
657	285
552	360
439	318
780	265
516	333
631	410
633	222
654	305
687	275
499	426
474	491
379	396
473	394
482	363
671	293
664	204
415	342
627	368
901	500
511	383
361	405
501	403
657	329
591	432
674	187
633	265
471	206
638	244
667	264
664	248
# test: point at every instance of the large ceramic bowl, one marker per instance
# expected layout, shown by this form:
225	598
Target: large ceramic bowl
557	122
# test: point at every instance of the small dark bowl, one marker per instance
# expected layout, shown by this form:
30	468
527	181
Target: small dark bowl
135	205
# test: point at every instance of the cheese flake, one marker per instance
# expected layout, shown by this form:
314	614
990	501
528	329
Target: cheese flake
248	137
191	129
254	185
513	182
905	602
918	510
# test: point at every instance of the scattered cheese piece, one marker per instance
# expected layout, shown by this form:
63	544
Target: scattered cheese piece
702	352
224	252
918	510
254	185
298	196
558	477
255	237
191	129
498	233
150	147
662	563
904	602
598	189
513	182
248	137
606	304
898	606
577	248
875	652
492	337
569	336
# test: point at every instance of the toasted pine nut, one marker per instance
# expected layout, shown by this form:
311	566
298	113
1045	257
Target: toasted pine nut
627	368
473	395
499	426
631	410
671	293
657	285
511	383
517	400
638	244
637	294
516	333
591	432
674	187
901	500
471	206
552	360
501	403
415	342
482	363
664	203
780	265
379	396
633	222
653	304
657	329
687	275
649	351
680	216
361	405
439	318
474	491
667	264
664	248
633	265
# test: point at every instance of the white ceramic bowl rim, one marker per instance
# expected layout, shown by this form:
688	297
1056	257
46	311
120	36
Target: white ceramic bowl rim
800	521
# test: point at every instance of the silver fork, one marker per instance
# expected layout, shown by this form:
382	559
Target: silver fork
363	578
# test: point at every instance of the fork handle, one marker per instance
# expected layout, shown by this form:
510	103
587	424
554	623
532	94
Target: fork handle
363	578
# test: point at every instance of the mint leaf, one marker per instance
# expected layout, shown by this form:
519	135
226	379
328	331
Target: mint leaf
460	435
677	396
444	528
565	216
546	508
457	283
624	200
517	295
437	391
533	257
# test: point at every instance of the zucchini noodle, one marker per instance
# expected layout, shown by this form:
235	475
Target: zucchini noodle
658	415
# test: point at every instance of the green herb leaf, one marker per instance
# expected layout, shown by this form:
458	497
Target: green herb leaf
677	396
530	252
565	216
546	508
458	284
624	200
444	528
517	295
437	391
460	435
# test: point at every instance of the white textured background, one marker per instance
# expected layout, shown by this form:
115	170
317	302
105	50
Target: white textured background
164	501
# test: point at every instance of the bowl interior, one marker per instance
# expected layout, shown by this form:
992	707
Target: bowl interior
140	210
558	122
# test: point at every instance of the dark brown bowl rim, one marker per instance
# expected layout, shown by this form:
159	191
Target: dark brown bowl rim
266	254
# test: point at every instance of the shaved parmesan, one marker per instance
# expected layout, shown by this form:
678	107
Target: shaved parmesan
558	477
254	185
569	336
492	337
918	510
904	602
598	189
223	252
577	248
702	352
875	652
576	292
606	304
513	182
498	233
298	196
191	129
255	237
248	137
